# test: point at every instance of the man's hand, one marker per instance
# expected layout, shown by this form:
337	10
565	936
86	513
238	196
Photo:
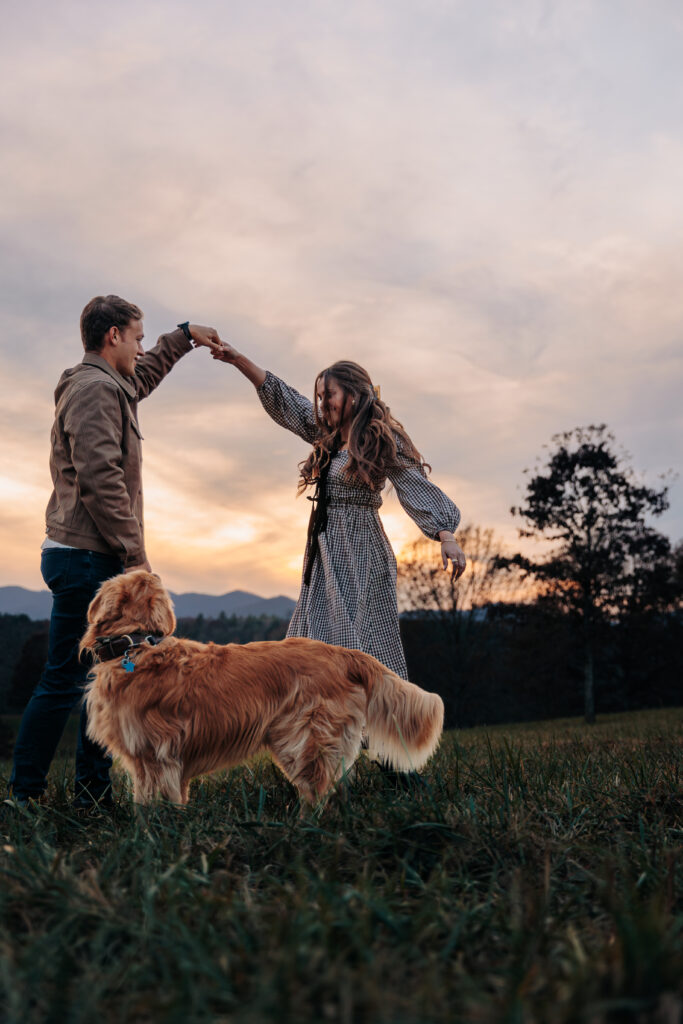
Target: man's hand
207	336
143	565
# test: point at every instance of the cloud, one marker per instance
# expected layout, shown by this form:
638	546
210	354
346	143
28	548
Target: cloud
482	207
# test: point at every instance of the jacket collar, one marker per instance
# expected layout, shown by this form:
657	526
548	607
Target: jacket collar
127	384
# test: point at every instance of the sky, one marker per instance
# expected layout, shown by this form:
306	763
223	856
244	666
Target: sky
479	202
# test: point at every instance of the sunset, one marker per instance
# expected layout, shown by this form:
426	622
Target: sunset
481	206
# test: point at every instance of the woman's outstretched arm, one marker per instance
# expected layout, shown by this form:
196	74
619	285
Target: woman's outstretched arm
228	354
283	403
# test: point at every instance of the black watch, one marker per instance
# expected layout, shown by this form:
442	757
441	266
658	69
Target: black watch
185	328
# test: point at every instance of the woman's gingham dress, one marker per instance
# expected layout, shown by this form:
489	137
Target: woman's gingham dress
351	599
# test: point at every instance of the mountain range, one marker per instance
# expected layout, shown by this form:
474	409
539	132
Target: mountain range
37	604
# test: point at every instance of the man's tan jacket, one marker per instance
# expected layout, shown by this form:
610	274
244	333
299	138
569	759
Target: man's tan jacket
96	452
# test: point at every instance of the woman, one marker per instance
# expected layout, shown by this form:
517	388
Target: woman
348	591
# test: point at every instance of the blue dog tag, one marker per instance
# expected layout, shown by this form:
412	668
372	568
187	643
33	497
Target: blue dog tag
128	664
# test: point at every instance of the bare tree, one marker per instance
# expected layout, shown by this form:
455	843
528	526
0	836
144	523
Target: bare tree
453	615
424	586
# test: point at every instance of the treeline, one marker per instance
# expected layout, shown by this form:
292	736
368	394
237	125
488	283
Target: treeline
517	663
493	664
23	643
230	629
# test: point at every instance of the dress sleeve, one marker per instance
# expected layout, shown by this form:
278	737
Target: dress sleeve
425	503
287	407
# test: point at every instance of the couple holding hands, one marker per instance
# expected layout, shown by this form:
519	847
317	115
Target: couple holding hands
95	519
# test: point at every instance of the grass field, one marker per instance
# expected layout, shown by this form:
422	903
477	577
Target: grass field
537	877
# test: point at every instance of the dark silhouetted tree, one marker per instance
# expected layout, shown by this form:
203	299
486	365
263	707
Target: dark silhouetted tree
605	559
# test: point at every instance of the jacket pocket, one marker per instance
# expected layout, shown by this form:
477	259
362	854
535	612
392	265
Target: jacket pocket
136	428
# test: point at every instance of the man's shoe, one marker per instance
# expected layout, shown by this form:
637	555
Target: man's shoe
26	803
89	798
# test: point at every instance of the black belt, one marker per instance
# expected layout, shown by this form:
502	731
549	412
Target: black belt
342	503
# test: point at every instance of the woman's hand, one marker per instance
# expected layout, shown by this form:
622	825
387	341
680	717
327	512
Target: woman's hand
451	549
225	353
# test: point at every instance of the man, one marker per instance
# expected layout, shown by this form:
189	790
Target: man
94	521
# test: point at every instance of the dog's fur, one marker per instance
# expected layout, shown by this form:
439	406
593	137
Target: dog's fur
190	708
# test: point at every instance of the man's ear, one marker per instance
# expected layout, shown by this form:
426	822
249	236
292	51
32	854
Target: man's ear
110	339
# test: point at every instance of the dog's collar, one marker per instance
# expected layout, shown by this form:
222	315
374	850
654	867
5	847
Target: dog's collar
109	647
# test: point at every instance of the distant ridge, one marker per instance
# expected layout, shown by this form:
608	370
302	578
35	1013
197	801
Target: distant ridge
237	602
37	604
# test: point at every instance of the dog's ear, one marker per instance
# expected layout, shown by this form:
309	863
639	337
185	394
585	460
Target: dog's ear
159	616
104	607
106	603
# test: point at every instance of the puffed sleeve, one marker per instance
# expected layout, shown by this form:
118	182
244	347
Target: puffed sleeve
287	407
425	503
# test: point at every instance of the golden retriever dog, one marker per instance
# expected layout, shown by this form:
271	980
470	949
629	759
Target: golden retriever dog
172	709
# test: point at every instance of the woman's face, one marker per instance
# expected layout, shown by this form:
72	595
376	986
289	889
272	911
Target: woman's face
334	405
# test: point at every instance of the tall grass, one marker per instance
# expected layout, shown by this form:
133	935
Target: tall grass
536	876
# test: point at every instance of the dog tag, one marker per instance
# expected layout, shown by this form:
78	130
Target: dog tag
128	664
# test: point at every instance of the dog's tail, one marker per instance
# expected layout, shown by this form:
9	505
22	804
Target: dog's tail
404	723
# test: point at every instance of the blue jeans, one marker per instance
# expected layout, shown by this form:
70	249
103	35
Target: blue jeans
74	577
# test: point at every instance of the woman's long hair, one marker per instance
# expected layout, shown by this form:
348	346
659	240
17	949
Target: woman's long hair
377	442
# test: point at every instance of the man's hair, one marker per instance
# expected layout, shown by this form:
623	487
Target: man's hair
101	313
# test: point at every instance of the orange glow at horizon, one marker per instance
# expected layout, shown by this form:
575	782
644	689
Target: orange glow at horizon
446	200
